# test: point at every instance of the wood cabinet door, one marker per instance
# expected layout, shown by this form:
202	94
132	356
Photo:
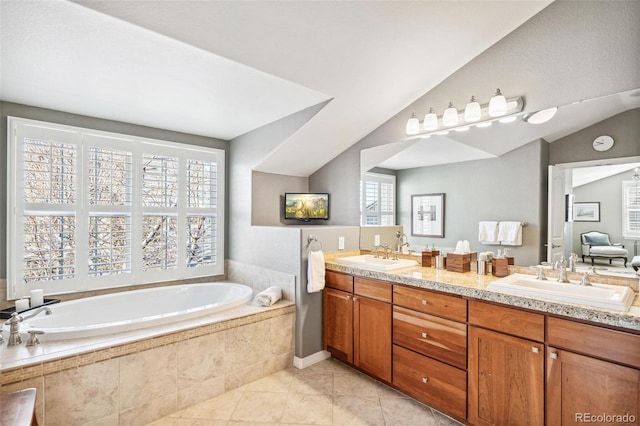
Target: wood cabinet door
372	336
337	324
506	379
581	388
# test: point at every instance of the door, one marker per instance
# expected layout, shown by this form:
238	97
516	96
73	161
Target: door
556	214
581	388
337	324
506	379
372	336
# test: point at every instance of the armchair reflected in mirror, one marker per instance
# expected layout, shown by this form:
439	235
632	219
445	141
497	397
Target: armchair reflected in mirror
597	245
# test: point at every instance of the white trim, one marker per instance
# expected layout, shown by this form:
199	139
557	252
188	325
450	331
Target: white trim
308	361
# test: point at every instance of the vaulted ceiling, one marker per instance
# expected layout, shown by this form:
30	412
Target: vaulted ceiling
225	68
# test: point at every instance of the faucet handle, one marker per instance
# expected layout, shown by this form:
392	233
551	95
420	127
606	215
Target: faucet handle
33	337
585	279
541	275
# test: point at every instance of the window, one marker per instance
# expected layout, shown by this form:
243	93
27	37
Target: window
91	210
631	210
377	200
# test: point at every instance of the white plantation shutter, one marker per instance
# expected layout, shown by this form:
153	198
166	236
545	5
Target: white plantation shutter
377	199
630	210
92	210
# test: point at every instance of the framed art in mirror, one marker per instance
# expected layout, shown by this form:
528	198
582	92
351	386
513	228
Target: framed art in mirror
586	212
427	215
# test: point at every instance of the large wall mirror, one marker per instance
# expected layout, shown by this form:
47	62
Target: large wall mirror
514	160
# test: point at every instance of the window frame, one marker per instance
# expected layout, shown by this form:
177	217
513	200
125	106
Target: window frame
20	128
629	186
380	179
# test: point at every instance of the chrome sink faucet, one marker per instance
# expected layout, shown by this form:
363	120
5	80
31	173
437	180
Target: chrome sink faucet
562	270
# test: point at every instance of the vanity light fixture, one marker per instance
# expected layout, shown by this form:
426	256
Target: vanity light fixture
541	116
430	120
450	116
413	125
472	112
497	105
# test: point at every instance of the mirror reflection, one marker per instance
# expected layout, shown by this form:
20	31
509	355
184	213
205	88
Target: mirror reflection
514	173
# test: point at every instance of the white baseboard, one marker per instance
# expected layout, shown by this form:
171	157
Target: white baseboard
307	361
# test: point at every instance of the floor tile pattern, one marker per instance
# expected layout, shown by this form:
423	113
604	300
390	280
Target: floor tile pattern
327	393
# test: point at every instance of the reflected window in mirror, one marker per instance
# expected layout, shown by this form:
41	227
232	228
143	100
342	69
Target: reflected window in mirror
377	199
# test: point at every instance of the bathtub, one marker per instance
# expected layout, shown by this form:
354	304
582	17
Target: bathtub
136	309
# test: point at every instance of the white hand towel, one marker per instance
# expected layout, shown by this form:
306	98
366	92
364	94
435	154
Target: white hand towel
269	296
315	271
488	232
510	233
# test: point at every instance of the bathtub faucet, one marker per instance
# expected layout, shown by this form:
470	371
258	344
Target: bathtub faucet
36	312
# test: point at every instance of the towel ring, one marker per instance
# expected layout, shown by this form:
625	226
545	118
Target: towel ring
311	239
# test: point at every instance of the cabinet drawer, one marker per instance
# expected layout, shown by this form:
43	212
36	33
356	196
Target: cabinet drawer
339	281
437	384
436	337
600	342
378	290
431	302
513	321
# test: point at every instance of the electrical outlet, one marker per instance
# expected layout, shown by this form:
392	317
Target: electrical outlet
340	243
376	240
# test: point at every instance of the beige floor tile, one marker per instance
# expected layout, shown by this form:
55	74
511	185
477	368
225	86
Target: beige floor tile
260	407
444	420
357	410
278	382
354	383
308	409
313	384
406	412
218	408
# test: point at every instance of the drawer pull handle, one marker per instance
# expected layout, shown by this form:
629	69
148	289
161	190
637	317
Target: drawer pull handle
534	350
553	355
425	379
425	335
424	302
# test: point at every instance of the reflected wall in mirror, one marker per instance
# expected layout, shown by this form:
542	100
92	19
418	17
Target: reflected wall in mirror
501	172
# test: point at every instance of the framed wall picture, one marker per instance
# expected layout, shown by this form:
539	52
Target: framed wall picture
586	212
427	215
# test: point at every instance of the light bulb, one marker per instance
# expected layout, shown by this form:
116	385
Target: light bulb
472	111
450	116
413	125
430	120
497	105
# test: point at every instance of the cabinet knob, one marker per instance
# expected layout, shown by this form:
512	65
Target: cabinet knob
424	302
535	350
348	296
553	355
425	335
425	379
355	297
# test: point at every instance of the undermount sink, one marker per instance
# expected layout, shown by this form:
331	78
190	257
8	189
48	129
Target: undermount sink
369	261
613	297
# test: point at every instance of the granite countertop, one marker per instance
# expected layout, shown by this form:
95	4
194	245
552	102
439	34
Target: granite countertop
472	285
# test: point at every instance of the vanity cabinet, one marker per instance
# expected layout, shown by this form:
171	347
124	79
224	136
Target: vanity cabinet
591	371
430	348
337	316
506	366
357	322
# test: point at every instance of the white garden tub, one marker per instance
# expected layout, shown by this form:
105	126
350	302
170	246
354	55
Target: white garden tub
131	310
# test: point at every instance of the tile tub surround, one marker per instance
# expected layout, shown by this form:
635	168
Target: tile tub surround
141	376
472	285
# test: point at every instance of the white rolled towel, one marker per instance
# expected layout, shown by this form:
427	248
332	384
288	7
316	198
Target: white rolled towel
269	296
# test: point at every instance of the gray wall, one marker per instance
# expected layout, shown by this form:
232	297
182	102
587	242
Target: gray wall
578	146
24	111
570	51
505	188
280	248
608	192
267	197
